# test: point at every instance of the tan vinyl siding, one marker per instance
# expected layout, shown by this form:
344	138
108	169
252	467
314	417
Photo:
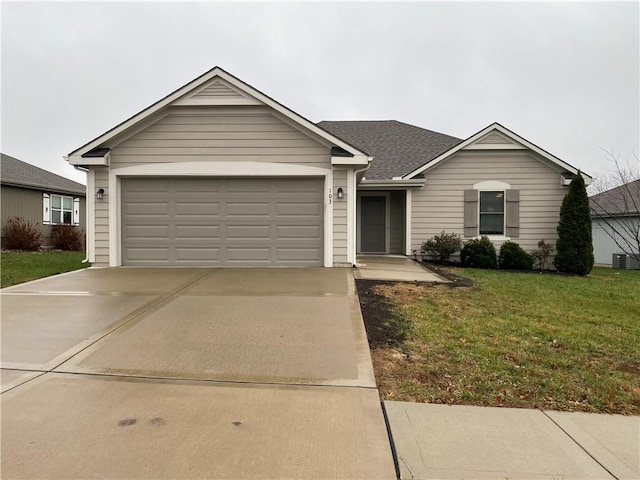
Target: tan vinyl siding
242	134
495	138
26	203
440	204
396	222
340	218
102	219
218	89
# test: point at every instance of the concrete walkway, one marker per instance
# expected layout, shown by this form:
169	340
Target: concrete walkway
453	442
393	268
189	373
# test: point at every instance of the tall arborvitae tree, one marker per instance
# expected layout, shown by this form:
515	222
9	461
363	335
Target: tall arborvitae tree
575	246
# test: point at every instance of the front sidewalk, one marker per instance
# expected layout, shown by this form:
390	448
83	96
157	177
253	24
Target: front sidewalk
442	441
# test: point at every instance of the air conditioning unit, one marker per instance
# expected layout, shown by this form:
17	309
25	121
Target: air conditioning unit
627	262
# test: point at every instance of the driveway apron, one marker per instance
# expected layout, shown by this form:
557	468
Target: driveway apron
189	373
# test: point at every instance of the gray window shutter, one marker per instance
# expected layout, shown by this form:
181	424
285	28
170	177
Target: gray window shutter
46	209
76	211
470	213
512	206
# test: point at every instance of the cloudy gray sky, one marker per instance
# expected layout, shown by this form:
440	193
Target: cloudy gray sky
563	75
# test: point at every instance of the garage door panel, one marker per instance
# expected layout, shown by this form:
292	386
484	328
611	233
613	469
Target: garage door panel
204	254
191	209
196	185
237	209
248	232
297	231
298	254
209	232
147	231
212	221
247	186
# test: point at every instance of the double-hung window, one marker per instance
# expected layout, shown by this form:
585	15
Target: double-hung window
491	213
492	208
60	210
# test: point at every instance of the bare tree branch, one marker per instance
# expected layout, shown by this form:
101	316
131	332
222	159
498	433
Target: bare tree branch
615	204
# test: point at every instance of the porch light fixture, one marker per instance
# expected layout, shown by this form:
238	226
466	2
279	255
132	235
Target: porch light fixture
100	193
340	193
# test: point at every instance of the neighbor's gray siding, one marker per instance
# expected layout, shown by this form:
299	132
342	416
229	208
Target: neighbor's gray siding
603	245
440	204
340	218
26	203
247	134
396	222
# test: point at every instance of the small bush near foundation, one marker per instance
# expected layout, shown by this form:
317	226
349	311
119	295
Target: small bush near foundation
21	235
66	237
443	246
479	253
541	254
513	257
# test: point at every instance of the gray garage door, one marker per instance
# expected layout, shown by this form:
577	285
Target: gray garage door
231	221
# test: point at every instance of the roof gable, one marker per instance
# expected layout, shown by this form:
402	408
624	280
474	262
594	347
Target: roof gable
17	173
497	133
216	87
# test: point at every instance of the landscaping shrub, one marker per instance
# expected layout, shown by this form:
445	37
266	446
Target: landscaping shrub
575	246
66	237
479	253
513	257
21	235
443	246
541	255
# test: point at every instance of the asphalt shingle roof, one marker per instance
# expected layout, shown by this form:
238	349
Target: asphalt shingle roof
397	148
622	200
18	173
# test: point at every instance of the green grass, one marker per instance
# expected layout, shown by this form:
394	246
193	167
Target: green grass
20	267
521	340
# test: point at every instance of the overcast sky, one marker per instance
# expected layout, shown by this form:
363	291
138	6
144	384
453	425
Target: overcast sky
565	76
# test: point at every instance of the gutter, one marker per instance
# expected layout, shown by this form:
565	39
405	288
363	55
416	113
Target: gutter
86	240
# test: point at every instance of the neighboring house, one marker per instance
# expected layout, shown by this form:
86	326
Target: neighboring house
218	173
39	197
615	216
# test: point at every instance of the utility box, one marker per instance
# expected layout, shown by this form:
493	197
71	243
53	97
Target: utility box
624	261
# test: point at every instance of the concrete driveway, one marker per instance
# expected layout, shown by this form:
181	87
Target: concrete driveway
189	373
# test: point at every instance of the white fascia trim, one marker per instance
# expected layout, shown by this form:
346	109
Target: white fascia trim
407	227
355	160
351	216
89	161
509	134
194	84
90	205
212	169
391	184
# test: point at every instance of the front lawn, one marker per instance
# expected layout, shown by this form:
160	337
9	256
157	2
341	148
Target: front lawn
525	340
20	267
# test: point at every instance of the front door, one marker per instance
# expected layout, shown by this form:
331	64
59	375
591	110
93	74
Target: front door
373	224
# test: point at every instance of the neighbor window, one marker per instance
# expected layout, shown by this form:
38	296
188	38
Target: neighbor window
492	213
60	210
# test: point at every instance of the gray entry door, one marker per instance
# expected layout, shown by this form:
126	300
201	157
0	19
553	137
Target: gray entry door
222	221
373	224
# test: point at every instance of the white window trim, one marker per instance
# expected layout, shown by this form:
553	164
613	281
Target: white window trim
493	186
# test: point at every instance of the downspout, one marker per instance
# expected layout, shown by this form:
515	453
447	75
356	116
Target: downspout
355	217
86	242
